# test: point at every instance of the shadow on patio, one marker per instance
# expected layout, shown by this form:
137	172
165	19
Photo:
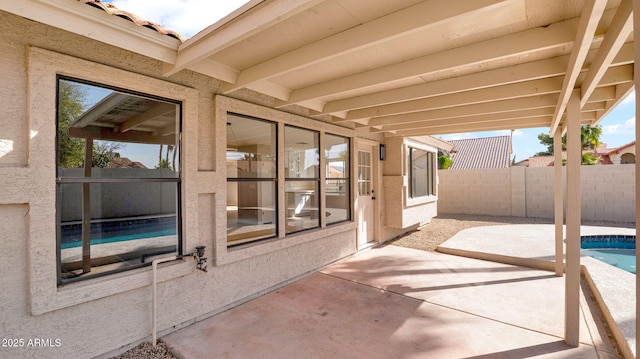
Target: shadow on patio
394	302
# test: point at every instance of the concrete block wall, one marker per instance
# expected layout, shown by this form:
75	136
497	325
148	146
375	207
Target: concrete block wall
607	192
486	192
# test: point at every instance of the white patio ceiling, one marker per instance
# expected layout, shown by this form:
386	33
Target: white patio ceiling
409	67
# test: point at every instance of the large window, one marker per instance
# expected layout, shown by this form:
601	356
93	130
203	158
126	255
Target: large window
421	173
251	179
118	179
302	178
337	199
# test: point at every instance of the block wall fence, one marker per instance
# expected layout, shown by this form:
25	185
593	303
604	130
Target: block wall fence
607	192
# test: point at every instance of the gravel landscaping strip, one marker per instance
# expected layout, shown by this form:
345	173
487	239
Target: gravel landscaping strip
147	351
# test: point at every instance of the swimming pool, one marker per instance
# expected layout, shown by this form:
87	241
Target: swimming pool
615	250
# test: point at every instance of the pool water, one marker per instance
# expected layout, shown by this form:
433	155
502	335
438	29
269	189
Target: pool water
621	258
615	250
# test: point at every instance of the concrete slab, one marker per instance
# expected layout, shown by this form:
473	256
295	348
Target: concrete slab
614	286
394	302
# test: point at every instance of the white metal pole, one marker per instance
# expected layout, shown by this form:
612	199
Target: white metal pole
154	265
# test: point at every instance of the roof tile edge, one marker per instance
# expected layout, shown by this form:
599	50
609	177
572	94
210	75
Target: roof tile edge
112	10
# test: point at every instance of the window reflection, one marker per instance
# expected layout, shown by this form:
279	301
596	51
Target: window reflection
337	200
251	179
118	179
302	178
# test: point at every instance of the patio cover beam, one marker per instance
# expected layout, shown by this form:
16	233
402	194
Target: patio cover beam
494	107
517	45
239	25
591	14
419	17
517	90
572	278
619	30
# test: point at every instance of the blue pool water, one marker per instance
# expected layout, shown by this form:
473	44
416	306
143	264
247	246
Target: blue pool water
119	231
615	250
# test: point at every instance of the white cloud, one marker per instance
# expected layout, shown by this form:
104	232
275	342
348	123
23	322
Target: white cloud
619	128
516	133
185	16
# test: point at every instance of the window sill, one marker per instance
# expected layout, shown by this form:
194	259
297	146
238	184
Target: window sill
411	202
229	255
91	289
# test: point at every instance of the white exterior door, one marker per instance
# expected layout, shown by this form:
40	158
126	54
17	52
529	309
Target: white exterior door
366	196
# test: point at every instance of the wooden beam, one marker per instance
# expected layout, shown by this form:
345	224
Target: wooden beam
250	20
618	32
502	76
522	89
103	133
410	20
572	278
511	74
591	14
524	43
521	104
86	207
105	105
502	116
478	127
160	109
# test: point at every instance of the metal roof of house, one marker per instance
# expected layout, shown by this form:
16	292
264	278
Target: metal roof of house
488	152
403	67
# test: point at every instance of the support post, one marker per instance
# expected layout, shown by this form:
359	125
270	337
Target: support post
558	201
572	278
86	208
636	80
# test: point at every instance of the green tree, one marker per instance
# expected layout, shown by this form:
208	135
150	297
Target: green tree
71	100
71	105
589	137
444	162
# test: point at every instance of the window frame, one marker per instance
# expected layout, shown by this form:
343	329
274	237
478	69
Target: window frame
259	179
348	179
43	66
430	174
316	180
120	180
225	255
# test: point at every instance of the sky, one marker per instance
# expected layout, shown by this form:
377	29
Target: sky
190	16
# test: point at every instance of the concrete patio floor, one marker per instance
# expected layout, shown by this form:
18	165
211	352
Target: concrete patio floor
394	302
535	243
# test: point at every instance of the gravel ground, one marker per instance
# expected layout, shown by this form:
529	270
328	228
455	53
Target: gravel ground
147	351
427	238
443	227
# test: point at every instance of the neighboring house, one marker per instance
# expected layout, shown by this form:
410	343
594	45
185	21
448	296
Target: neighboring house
299	135
625	154
487	152
606	156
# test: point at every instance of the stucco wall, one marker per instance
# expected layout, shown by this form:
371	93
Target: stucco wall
607	192
103	314
403	212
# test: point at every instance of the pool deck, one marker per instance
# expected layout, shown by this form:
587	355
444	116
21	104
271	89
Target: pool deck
533	245
394	302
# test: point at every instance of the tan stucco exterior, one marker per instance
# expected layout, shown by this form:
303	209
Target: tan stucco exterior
109	314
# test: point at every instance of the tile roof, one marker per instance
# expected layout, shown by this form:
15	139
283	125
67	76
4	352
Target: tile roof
112	10
618	149
488	152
